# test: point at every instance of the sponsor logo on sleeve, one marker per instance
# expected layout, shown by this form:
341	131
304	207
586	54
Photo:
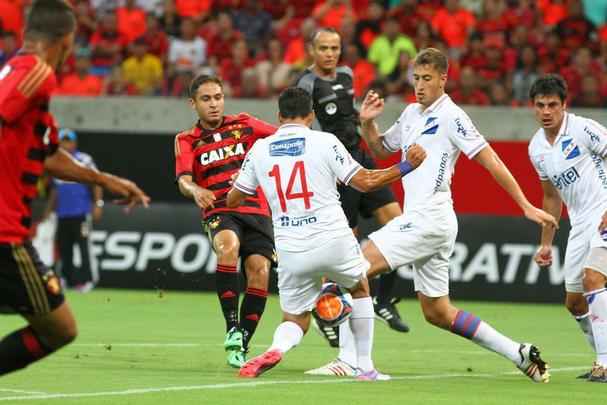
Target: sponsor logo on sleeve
338	156
594	138
460	127
288	147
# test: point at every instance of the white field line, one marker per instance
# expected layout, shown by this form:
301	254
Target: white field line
23	392
258	383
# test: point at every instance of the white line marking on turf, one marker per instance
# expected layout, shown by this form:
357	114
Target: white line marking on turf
261	383
23	391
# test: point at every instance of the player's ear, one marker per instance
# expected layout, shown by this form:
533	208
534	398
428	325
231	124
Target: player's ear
192	103
309	119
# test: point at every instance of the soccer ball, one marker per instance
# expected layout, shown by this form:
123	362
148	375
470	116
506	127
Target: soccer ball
333	305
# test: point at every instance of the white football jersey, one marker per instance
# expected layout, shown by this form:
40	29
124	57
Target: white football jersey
298	170
443	130
574	164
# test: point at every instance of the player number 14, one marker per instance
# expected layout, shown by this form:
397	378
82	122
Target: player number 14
299	171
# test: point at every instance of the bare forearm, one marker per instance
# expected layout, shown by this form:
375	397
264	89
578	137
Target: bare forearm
97	193
371	135
186	187
554	207
369	180
63	166
235	198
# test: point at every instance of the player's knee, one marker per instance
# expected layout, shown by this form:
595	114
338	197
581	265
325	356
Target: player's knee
228	252
257	268
593	280
434	318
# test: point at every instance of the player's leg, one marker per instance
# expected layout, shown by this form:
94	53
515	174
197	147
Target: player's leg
28	287
224	233
595	278
432	285
257	268
65	242
85	273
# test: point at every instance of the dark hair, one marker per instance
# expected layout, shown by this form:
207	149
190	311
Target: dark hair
321	30
549	85
434	58
200	80
294	102
50	20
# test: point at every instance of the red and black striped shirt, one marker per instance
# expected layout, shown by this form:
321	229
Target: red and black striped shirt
28	135
212	157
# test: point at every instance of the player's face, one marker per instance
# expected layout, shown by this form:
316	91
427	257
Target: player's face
208	103
549	111
326	49
429	84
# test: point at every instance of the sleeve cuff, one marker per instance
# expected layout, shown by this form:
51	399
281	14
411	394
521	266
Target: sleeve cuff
182	174
388	147
351	174
475	151
244	189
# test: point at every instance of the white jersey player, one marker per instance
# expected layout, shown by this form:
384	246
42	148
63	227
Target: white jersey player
569	153
298	170
424	236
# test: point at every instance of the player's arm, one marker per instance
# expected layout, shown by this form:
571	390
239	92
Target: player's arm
236	197
51	203
553	205
371	108
61	165
366	180
202	197
491	161
246	182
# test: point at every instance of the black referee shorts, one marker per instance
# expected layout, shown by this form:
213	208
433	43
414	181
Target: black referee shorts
255	232
355	203
27	286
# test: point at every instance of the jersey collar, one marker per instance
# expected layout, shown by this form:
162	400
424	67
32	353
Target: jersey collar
285	127
434	106
562	130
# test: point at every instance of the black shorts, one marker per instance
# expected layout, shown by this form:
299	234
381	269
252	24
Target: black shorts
255	232
355	203
27	286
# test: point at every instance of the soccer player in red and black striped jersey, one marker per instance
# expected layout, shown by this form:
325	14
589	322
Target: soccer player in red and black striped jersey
207	156
28	146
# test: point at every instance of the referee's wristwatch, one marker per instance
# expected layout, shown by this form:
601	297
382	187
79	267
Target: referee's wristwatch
99	203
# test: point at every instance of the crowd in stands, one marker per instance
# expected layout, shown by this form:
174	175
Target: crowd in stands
496	47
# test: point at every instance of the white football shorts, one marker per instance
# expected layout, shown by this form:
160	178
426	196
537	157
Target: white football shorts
423	239
300	273
583	238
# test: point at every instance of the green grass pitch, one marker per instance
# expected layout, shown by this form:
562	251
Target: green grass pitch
142	347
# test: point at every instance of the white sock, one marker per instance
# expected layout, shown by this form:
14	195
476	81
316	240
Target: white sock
491	339
286	336
347	345
586	326
362	323
597	301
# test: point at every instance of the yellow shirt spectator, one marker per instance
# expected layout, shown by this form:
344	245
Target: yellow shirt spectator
144	72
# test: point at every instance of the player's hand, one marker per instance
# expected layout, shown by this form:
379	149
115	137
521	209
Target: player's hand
543	256
603	224
204	198
540	217
416	155
97	213
132	195
233	178
372	107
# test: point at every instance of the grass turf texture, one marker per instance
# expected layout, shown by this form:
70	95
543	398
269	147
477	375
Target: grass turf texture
142	347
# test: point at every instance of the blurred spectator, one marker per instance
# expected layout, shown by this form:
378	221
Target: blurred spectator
107	45
522	14
589	95
12	16
104	6
386	48
154	7
453	23
238	72
297	53
331	13
87	23
475	56
155	38
171	21
524	76
499	94
254	23
363	70
399	81
495	69
194	9
273	72
468	92
493	20
115	85
189	52
143	69
347	32
369	27
8	46
595	11
582	65
131	20
574	29
424	38
81	82
554	11
551	55
220	44
409	15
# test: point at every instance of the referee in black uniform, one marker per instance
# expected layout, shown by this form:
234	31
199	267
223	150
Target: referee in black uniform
331	88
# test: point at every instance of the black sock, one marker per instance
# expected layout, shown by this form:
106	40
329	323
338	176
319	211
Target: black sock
226	282
252	307
21	348
385	286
